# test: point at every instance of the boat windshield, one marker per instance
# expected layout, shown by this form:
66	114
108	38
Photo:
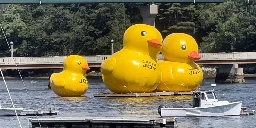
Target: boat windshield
210	95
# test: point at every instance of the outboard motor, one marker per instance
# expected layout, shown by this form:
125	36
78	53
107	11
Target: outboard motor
196	99
159	109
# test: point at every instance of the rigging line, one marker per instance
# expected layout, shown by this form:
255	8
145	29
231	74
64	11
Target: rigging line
10	98
13	58
4	79
3	32
15	65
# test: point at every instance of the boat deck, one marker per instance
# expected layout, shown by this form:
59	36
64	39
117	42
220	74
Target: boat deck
38	112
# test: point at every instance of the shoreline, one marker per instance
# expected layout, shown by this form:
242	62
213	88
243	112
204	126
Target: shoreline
245	76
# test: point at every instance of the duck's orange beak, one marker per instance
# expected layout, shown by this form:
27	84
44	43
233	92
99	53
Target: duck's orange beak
194	56
154	43
86	67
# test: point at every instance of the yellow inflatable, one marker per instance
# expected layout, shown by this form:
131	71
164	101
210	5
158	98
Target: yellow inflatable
134	68
71	82
178	70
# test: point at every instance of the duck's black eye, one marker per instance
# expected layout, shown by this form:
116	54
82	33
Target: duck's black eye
143	33
183	47
78	62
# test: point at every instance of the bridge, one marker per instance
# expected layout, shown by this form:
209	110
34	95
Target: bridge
95	61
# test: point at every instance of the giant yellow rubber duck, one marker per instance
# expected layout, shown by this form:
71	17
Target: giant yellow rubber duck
71	82
178	70
134	68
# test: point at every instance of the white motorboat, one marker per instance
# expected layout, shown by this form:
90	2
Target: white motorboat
205	103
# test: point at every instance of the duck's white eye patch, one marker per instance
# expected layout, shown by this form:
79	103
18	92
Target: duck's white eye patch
143	33
78	62
183	47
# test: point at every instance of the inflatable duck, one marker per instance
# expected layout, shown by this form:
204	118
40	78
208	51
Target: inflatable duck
71	82
134	68
178	70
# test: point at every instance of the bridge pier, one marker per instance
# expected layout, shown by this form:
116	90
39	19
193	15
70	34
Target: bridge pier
149	13
229	74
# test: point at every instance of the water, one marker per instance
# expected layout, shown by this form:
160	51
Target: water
35	94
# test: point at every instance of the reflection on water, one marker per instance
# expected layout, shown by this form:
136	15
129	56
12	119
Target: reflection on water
216	122
148	100
37	95
73	98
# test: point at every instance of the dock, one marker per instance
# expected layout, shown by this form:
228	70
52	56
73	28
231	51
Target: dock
31	112
101	122
152	94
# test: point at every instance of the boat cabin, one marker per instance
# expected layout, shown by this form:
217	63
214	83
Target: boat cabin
204	99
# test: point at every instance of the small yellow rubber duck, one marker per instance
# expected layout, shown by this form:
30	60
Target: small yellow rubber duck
134	68
179	72
71	82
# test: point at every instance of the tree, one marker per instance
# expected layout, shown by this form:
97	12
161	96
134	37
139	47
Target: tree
176	18
226	25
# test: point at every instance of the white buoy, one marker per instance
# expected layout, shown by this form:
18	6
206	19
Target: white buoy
164	121
213	85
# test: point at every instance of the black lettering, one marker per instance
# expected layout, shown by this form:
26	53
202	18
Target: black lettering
83	81
148	64
193	72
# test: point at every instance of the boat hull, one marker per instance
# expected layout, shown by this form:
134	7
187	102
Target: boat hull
231	109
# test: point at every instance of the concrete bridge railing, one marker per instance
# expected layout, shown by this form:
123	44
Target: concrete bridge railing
46	60
100	58
229	56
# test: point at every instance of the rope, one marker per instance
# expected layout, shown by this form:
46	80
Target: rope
13	58
3	32
10	98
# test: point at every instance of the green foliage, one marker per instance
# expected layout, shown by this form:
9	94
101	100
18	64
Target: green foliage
228	27
55	30
175	18
87	29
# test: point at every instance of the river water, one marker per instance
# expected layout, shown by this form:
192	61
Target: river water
35	94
